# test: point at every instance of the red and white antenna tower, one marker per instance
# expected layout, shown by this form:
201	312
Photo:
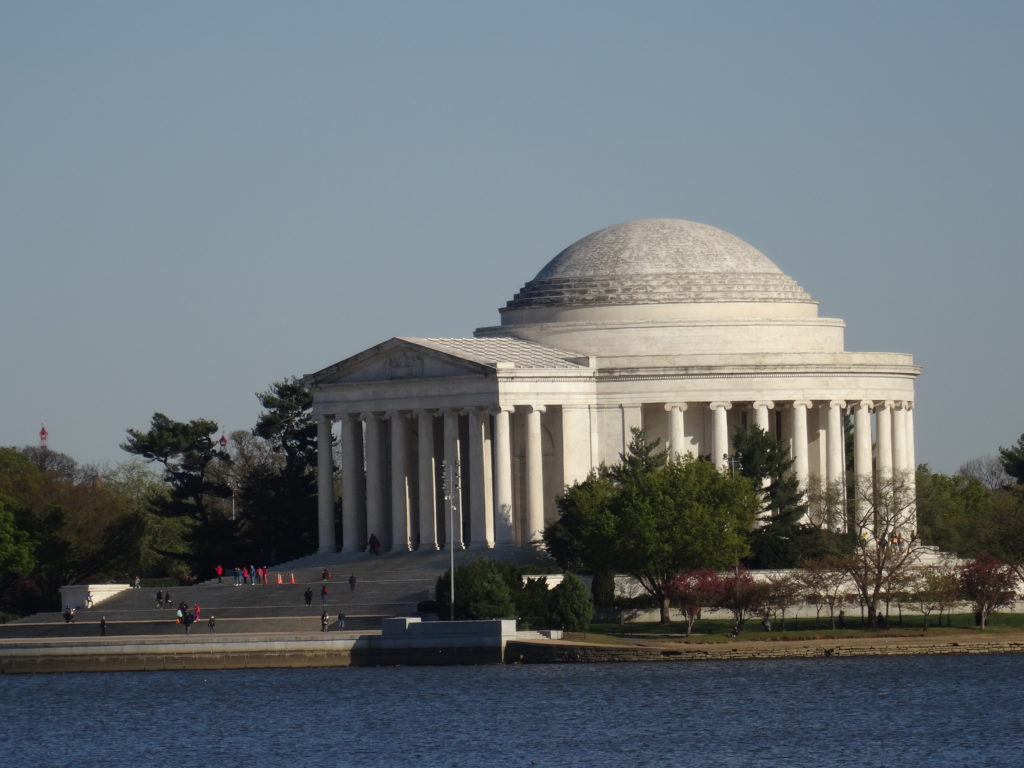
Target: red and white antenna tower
43	434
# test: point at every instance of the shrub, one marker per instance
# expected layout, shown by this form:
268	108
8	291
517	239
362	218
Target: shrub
569	605
484	589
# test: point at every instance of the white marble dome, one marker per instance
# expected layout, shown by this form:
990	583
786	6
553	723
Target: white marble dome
652	261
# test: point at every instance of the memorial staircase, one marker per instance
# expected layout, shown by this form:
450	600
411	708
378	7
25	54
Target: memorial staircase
386	585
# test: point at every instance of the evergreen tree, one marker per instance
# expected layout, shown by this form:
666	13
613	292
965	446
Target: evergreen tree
484	589
188	453
1013	460
279	500
569	605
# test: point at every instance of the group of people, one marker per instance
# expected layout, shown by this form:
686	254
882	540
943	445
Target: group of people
324	592
894	540
325	621
251	575
187	617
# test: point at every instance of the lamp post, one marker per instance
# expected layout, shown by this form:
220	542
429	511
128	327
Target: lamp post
450	487
734	462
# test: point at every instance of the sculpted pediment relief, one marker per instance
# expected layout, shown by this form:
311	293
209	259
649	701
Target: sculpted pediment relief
394	362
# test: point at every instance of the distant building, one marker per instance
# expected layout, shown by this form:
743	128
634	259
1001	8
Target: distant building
675	327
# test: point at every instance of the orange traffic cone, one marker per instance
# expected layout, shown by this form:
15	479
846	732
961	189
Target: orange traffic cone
279	579
293	578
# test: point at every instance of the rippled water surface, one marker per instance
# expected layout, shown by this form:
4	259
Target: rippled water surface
911	711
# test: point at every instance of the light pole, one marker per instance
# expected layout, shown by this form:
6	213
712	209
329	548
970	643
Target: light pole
450	486
734	462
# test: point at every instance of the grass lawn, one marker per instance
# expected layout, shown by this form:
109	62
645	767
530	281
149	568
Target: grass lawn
717	631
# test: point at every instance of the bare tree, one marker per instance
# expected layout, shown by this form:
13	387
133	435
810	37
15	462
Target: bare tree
989	584
987	470
934	588
783	593
823	582
884	523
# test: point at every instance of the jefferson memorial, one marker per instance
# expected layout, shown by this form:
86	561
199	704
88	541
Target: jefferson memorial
675	327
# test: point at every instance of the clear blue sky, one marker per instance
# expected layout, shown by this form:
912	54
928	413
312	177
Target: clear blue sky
198	199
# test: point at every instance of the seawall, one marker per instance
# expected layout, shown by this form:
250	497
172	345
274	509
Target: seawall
532	652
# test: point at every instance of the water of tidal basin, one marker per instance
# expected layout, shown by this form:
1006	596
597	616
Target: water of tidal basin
906	712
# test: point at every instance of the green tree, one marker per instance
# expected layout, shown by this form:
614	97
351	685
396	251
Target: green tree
279	498
769	466
955	513
569	605
70	526
188	453
651	518
484	589
784	538
17	558
1013	460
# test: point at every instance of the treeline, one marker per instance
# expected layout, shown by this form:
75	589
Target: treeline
661	520
191	498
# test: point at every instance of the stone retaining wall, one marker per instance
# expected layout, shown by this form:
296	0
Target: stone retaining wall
518	652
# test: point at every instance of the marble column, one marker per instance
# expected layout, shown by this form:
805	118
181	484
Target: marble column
427	490
883	425
720	434
835	461
353	485
575	443
481	519
800	448
375	480
912	465
899	440
835	456
862	464
676	429
535	476
761	415
400	541
453	475
504	532
325	485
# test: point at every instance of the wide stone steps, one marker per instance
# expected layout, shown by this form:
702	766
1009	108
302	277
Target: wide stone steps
386	585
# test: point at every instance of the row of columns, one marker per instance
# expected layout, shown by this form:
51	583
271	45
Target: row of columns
894	436
414	497
489	475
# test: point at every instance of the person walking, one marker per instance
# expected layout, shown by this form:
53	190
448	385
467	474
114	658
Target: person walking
159	598
212	623
220	573
308	594
341	621
323	595
324	621
103	626
352	583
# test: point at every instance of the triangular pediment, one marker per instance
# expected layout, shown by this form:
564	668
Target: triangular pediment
396	359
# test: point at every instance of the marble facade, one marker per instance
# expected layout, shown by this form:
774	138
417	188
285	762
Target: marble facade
677	328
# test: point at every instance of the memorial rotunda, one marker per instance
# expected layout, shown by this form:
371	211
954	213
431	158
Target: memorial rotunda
675	327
